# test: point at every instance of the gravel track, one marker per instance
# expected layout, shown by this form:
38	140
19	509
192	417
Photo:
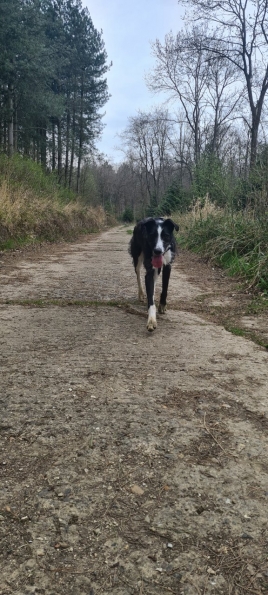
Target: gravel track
132	463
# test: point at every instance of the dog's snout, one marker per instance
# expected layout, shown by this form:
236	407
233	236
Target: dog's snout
157	252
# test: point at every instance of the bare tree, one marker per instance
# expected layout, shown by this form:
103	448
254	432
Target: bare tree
203	83
146	142
182	74
241	37
128	193
222	99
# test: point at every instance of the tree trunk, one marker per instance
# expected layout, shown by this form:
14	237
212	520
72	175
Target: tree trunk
43	144
67	146
53	146
73	144
37	146
71	163
254	130
196	115
15	131
10	124
59	149
80	138
5	137
253	147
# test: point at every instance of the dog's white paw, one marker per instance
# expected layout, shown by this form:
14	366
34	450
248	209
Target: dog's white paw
151	324
162	309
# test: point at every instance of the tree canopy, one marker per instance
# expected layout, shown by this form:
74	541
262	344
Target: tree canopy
238	33
52	82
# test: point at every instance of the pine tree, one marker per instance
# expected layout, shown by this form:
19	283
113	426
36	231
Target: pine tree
52	82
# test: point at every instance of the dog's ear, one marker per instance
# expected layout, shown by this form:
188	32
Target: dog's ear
171	225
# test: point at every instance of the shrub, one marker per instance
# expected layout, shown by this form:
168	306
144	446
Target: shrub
175	199
128	215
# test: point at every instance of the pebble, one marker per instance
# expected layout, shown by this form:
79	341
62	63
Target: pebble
30	563
61	545
40	552
137	490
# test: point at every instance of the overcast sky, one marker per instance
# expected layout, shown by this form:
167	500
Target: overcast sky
128	28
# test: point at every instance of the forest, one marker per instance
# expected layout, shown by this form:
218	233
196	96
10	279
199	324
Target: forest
203	153
52	77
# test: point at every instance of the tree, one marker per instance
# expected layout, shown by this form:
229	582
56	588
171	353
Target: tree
182	74
147	144
222	100
23	67
52	83
79	81
200	81
241	37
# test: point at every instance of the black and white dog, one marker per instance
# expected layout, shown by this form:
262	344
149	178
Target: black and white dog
153	245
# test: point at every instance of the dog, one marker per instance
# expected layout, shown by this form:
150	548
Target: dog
154	246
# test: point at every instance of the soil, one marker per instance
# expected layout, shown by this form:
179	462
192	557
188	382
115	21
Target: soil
132	463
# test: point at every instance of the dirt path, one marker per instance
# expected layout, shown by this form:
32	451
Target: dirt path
131	463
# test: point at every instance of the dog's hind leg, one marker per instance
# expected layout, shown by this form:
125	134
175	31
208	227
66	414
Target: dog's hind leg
138	273
165	281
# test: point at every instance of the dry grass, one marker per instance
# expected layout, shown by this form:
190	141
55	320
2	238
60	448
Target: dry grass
237	240
200	210
26	217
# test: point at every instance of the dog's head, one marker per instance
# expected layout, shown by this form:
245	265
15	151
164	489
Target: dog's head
159	235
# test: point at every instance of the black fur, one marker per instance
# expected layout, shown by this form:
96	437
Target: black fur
149	247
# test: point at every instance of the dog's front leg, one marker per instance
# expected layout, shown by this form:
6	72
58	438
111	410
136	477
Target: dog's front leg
138	273
165	281
149	284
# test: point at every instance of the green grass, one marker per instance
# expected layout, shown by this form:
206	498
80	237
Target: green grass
258	305
235	330
15	243
247	334
237	242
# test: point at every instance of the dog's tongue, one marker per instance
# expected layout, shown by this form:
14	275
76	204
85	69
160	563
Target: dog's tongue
157	261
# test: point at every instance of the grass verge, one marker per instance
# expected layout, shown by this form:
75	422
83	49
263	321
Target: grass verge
247	334
238	241
34	208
